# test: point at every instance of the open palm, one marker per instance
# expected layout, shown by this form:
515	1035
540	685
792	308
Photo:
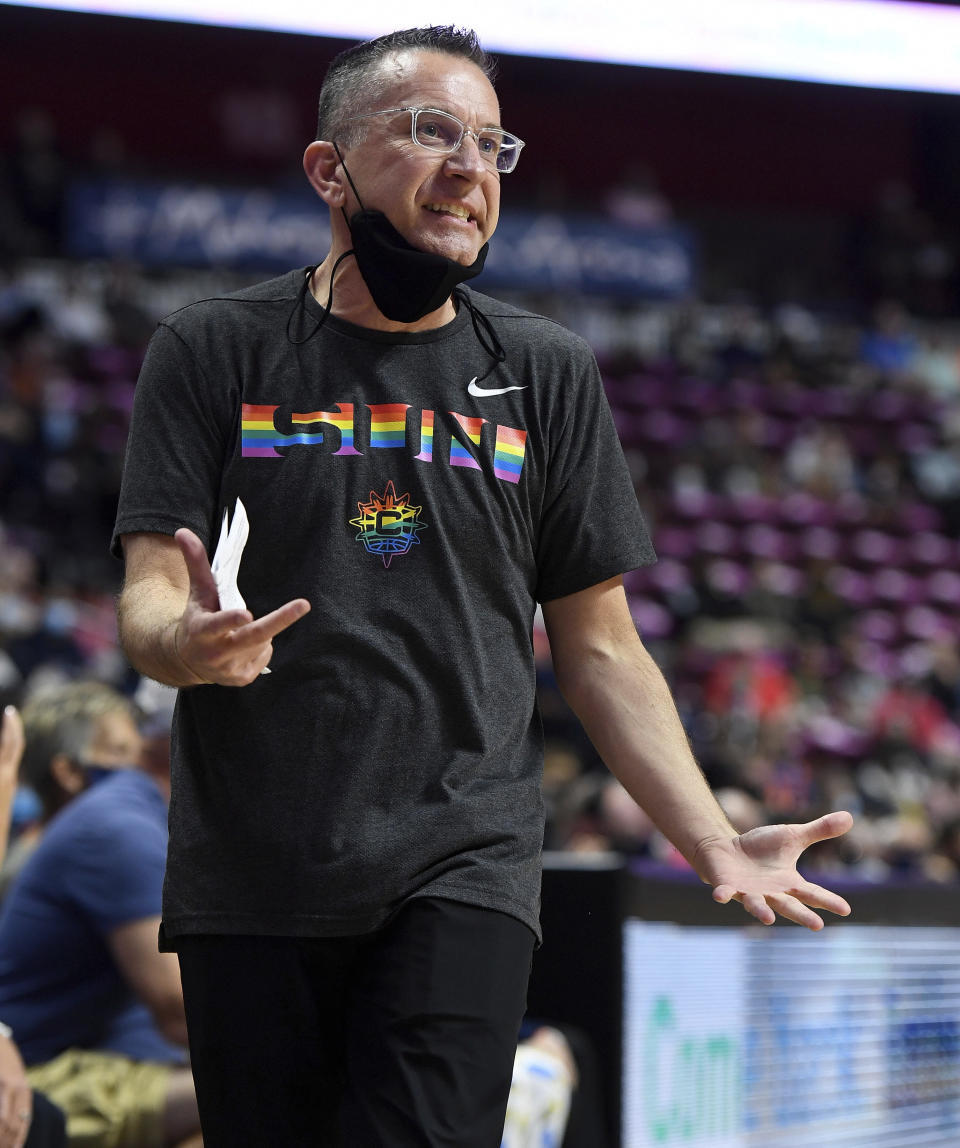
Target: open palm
759	869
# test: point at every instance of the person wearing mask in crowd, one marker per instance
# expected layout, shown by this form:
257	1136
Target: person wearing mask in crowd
75	733
354	865
96	1010
27	1118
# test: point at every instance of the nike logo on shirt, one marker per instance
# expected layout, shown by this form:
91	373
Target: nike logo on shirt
486	392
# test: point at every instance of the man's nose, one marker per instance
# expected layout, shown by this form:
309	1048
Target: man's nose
467	157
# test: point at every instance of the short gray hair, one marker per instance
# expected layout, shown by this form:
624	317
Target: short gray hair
351	82
63	719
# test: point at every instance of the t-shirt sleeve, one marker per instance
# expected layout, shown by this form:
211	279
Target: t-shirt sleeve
591	526
116	876
175	449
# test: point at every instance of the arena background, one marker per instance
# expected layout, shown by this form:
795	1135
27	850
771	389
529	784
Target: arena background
768	272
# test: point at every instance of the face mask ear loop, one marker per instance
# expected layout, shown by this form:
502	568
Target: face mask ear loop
346	172
486	335
298	304
301	296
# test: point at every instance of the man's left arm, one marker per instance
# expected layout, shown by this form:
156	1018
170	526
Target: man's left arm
619	694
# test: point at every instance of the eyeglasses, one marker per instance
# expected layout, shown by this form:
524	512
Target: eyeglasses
443	133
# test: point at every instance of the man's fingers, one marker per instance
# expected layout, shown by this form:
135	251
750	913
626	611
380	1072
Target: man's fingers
797	905
795	910
758	906
218	626
821	898
824	828
766	907
203	586
755	903
266	628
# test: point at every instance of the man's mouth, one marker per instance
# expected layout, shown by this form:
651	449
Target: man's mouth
455	209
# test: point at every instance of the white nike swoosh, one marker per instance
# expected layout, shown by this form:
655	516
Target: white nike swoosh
485	392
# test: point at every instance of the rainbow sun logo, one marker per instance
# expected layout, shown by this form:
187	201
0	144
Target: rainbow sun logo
388	524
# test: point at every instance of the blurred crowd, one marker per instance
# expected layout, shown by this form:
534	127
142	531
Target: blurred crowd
801	475
799	466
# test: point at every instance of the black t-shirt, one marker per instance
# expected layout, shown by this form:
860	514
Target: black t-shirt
423	506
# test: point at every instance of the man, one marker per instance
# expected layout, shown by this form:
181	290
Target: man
75	734
353	875
27	1118
96	1010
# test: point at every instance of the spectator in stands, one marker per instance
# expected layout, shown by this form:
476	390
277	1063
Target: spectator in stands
76	734
889	347
27	1118
944	862
820	460
97	1010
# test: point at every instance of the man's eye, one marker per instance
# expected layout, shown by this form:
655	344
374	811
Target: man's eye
489	145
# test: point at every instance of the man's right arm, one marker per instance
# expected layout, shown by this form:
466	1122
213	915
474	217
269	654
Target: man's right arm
154	596
153	976
170	622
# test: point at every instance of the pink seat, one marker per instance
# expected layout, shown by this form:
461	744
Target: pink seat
896	586
926	624
852	509
874	548
920	516
727	578
803	509
821	542
943	588
752	508
651	619
878	626
852	586
664	427
716	538
667	576
694	505
764	541
930	549
674	542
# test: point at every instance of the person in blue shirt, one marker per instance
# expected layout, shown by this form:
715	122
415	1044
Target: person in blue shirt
97	1010
75	732
27	1118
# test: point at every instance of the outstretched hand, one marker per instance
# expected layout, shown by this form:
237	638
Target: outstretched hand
11	747
759	869
16	1097
229	647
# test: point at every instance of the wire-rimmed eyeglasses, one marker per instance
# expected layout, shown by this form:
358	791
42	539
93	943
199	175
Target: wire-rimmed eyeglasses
442	132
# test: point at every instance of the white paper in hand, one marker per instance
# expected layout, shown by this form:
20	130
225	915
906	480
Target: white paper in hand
225	566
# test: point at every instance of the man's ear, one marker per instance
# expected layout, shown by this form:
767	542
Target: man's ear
321	164
67	774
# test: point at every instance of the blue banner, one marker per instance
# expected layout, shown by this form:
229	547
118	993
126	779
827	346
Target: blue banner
202	226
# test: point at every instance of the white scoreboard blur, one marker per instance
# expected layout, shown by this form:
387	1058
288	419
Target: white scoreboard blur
756	1038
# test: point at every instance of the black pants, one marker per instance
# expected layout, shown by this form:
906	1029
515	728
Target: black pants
402	1038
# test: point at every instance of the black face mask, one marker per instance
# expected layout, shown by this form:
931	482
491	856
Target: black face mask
404	282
